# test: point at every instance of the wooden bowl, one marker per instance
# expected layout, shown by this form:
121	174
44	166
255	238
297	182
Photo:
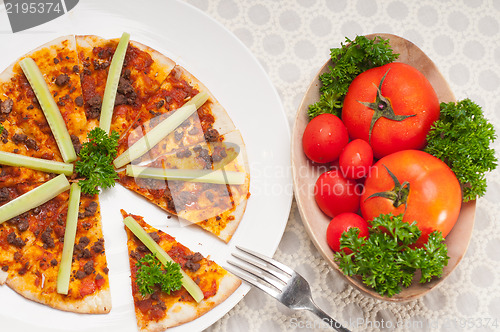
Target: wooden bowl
305	175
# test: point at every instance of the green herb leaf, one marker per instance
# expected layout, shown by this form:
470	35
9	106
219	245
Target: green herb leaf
350	60
96	161
462	138
387	259
151	274
1	128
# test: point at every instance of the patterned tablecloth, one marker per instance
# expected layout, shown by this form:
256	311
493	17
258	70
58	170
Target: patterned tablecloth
292	39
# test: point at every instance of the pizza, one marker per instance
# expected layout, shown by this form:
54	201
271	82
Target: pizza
31	247
217	208
158	311
151	88
144	69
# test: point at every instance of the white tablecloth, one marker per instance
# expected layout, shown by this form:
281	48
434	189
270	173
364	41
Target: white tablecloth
292	40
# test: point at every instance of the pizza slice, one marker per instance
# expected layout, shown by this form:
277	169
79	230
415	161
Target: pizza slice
158	310
59	65
210	120
31	248
216	207
144	69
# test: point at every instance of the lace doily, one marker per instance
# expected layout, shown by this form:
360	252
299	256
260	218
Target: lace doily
292	39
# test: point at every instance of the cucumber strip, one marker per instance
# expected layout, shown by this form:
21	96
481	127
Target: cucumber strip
153	137
191	175
141	234
50	109
50	166
114	73
34	198
64	273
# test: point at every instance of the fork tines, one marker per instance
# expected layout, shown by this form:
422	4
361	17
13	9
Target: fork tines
260	268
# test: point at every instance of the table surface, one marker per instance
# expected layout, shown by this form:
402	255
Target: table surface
292	39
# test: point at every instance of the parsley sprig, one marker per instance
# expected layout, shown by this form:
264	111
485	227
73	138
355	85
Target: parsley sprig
462	138
350	60
96	161
151	273
1	128
387	260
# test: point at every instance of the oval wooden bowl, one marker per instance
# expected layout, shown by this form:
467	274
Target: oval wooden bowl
305	175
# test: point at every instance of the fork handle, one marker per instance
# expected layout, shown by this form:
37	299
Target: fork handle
326	318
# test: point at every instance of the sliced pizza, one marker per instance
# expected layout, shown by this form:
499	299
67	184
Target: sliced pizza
59	65
31	248
144	69
158	310
216	207
210	120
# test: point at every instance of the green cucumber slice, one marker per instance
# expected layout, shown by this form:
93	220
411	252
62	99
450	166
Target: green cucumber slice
64	273
153	137
50	166
34	198
50	109
141	234
114	73
192	175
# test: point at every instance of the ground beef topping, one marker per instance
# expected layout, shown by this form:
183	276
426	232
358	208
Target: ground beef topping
6	106
14	240
154	236
19	138
90	210
88	268
76	143
125	94
192	261
62	80
48	241
79	101
4	195
98	246
211	135
94	107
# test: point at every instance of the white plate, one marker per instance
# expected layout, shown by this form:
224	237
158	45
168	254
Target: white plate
234	76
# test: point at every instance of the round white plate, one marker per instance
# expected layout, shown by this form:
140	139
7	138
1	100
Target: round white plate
219	60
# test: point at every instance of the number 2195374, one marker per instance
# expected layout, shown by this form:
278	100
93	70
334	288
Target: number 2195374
33	8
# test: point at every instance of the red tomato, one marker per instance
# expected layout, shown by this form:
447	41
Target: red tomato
430	191
336	194
342	223
356	159
324	138
407	105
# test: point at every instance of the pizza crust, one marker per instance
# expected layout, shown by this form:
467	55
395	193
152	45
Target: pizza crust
98	303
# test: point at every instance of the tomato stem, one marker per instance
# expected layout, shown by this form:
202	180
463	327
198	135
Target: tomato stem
398	195
382	107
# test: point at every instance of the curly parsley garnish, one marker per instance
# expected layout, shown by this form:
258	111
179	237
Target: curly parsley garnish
462	138
152	273
387	259
96	161
350	60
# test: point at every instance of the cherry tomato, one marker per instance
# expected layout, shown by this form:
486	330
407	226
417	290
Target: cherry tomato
392	107
342	223
324	138
421	187
356	159
335	194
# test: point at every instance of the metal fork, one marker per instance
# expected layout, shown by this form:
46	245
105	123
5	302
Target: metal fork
281	282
